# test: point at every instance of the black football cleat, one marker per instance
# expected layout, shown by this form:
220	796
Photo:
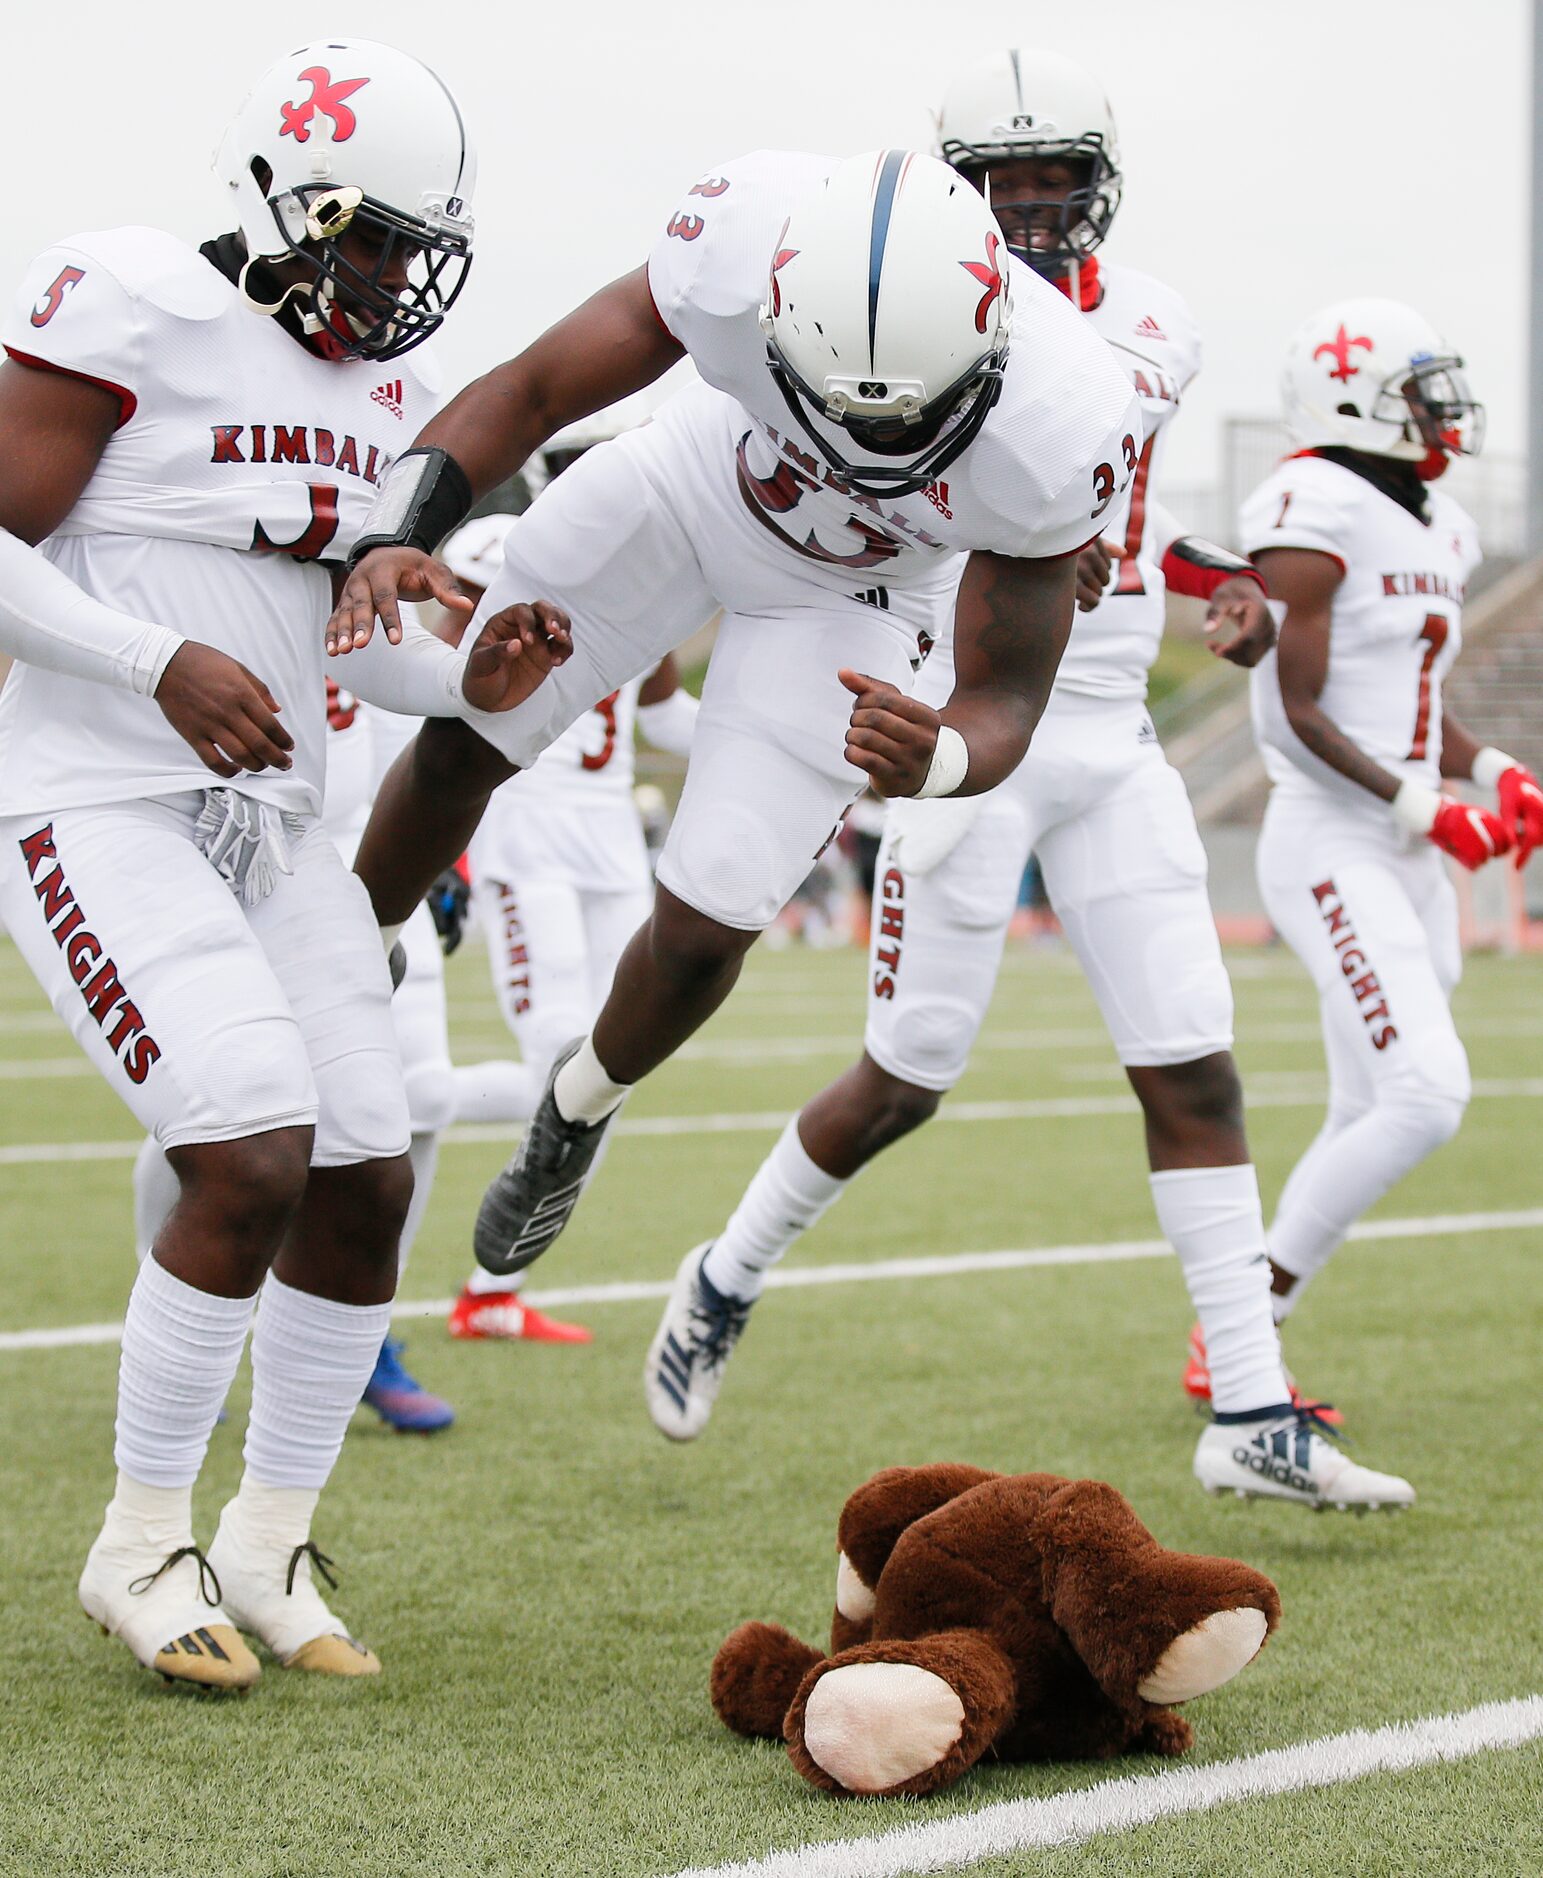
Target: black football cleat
529	1203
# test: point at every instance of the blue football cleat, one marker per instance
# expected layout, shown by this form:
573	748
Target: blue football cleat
399	1400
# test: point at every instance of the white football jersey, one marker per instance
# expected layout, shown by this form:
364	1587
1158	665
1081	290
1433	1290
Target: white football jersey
1395	623
1154	337
1060	445
241	464
595	759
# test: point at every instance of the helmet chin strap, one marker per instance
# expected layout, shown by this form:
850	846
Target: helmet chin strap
1434	463
258	304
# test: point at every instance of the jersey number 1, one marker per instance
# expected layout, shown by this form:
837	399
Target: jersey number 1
1434	633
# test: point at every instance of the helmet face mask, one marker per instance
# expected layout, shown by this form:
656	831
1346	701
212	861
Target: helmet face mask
930	438
350	296
1075	223
1437	402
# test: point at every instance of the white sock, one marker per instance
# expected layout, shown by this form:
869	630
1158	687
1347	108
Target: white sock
786	1197
483	1283
1283	1303
497	1092
311	1358
423	1153
1212	1218
278	1517
156	1191
158	1517
584	1092
180	1352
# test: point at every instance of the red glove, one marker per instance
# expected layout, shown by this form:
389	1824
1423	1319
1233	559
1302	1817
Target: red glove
1521	809
1470	835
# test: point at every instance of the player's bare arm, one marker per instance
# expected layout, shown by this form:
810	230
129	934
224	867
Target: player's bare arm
53	430
1011	623
1306	581
612	345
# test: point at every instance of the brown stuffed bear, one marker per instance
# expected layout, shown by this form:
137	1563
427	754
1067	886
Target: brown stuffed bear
1021	1615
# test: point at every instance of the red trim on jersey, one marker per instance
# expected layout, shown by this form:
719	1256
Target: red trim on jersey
648	287
1090	288
1197	582
128	404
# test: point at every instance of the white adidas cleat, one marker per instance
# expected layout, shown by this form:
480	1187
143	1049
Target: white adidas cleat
165	1605
269	1591
692	1346
1288	1458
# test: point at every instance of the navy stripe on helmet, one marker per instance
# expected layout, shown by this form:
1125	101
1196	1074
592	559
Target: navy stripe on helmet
884	193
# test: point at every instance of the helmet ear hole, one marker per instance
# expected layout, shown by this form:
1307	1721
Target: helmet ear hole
1348	410
262	174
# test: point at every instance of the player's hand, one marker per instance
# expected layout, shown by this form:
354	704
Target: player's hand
1521	809
1094	566
1470	835
1241	621
372	590
891	737
516	649
227	715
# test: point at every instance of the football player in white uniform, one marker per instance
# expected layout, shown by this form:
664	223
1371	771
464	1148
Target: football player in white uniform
1371	560
885	390
192	435
362	742
1109	821
562	880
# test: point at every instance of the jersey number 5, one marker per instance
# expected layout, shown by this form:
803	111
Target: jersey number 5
1434	633
51	301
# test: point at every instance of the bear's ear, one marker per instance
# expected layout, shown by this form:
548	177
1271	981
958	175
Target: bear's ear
875	1516
755	1676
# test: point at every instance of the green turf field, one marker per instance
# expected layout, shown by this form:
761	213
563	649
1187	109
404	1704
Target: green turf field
547	1582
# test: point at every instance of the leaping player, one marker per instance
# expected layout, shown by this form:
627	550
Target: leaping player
1371	559
886	390
562	882
193	435
1108	818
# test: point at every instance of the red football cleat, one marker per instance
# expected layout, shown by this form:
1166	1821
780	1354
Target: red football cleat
503	1316
1197	1384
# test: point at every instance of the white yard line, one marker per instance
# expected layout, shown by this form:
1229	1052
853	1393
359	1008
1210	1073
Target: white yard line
1137	1800
871	1271
1308	1092
750	1053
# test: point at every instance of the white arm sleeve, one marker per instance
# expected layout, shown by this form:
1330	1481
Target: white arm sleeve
47	621
668	724
421	677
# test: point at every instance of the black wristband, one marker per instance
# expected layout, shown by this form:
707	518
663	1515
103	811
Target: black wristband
424	495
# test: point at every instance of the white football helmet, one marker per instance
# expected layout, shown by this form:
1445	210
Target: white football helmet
887	318
346	134
1374	375
1019	104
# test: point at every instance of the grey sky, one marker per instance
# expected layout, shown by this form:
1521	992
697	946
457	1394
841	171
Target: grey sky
1277	157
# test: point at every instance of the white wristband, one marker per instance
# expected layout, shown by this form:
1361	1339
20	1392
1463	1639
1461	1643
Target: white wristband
1415	807
949	767
1490	765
